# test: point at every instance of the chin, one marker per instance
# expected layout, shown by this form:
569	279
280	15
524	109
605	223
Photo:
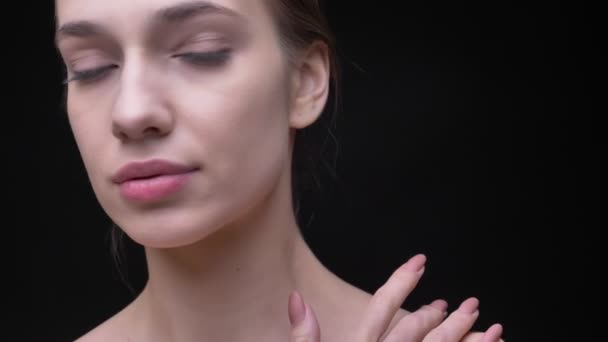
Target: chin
164	238
194	215
171	227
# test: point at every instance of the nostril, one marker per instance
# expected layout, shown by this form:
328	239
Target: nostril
140	124
151	131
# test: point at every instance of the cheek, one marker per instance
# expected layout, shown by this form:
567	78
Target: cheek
242	129
244	136
242	120
85	119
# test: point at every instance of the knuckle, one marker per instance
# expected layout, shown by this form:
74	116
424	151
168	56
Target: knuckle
402	274
419	321
302	334
438	335
458	318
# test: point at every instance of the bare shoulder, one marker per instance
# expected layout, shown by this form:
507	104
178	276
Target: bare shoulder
344	307
112	329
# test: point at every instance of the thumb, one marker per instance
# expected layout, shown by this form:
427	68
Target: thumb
304	325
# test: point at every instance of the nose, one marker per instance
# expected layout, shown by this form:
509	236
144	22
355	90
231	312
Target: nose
139	109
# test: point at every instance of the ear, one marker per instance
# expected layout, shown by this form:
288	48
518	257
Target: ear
310	86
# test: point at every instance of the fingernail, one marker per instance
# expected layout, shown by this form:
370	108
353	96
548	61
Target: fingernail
416	263
297	309
440	305
469	306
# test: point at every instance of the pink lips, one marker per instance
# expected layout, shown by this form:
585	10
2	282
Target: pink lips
152	180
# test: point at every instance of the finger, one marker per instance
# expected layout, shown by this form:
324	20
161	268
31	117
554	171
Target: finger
458	324
389	298
304	324
493	334
416	325
473	337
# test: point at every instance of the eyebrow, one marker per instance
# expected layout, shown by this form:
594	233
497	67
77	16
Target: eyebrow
172	14
81	28
189	9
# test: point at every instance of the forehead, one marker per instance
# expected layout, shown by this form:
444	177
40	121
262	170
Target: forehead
133	12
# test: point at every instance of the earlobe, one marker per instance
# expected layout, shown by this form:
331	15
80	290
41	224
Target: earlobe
310	86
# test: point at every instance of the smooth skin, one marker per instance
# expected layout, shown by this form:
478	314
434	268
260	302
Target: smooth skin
209	85
430	323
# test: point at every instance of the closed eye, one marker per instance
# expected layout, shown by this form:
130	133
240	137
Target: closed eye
90	74
214	58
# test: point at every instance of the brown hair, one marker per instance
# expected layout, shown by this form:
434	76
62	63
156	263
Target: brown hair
300	23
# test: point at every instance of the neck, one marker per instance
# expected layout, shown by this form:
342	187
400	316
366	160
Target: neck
232	285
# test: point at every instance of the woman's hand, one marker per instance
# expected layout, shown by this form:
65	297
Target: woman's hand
431	323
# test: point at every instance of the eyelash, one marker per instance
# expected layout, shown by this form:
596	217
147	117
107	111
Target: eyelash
215	58
90	74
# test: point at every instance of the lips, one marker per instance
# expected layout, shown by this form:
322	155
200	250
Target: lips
149	169
152	181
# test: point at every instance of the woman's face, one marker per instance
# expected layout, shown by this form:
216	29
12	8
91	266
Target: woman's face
198	84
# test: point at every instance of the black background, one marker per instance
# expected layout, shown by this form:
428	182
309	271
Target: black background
463	134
